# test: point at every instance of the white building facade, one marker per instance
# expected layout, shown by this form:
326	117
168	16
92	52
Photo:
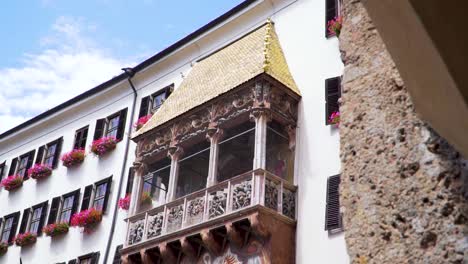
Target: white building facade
113	107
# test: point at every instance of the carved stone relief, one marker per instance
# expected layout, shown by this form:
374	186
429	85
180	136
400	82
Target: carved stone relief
241	195
135	233
271	195
289	204
174	218
217	204
195	209
155	225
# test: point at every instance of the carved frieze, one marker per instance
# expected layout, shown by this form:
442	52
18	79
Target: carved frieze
174	218
195	209
217	204
289	203
241	194
271	194
135	232
155	225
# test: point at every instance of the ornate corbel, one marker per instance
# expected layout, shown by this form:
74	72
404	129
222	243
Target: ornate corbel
167	253
234	235
145	257
125	259
210	242
188	248
261	225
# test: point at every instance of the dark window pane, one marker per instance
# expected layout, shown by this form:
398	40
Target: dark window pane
279	158
156	181
193	169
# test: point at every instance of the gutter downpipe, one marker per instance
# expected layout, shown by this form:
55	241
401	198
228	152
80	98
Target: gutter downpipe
129	73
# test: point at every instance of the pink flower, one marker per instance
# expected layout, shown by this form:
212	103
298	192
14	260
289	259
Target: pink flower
141	121
103	145
146	198
73	157
56	229
124	203
334	118
86	219
25	239
334	26
12	182
39	171
3	248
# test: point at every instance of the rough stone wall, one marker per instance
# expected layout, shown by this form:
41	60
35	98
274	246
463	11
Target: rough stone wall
403	188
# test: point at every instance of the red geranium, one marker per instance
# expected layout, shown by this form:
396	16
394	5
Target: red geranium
39	171
141	121
25	239
103	145
73	157
12	182
124	203
87	219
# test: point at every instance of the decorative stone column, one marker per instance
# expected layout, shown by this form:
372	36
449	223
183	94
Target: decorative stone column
137	188
261	118
175	152
214	135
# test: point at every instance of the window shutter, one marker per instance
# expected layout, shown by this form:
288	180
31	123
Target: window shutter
14	226
43	217
13	167
95	258
76	201
106	197
131	174
2	170
24	220
40	154
53	210
333	221
117	255
330	13
121	128
58	150
144	106
86	197
73	261
99	130
30	162
332	94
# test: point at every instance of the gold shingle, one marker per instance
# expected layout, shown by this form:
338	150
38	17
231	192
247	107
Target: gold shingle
255	53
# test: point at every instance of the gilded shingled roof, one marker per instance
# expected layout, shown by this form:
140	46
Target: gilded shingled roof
255	53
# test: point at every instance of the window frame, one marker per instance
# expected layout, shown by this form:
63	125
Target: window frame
25	157
2	169
13	227
337	7
149	104
81	137
32	220
61	211
4	221
48	155
102	197
114	128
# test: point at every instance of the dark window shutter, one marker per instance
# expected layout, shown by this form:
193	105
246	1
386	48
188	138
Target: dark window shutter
24	220
106	197
332	94
30	162
14	226
131	174
86	197
76	201
13	164
99	130
43	217
117	255
53	210
331	8
95	258
73	261
144	106
333	221
2	170
58	150
121	128
40	154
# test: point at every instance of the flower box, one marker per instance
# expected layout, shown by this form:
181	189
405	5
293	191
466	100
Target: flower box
334	26
73	158
103	145
12	182
334	118
40	171
25	239
146	198
56	229
142	121
124	203
3	248
87	219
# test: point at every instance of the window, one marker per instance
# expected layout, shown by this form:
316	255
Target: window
279	157
332	95
131	175
97	195
156	181
10	223
332	8
80	138
117	256
63	207
2	170
92	258
333	222
21	164
193	169
50	154
33	219
151	103
113	125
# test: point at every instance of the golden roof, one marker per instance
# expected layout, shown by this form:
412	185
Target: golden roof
255	53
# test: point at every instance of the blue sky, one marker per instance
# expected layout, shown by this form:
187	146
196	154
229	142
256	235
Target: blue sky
53	50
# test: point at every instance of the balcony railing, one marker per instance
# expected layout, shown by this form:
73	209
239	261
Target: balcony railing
219	201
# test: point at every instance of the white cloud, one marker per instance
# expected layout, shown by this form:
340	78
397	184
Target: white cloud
69	64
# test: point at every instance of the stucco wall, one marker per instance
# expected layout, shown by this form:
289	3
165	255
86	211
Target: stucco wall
403	187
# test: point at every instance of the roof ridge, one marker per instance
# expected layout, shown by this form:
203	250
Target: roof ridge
266	45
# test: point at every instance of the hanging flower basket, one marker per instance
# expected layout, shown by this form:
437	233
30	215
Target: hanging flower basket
12	182
334	26
3	248
334	118
40	171
73	158
124	203
141	121
103	145
25	239
56	229
87	219
146	198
